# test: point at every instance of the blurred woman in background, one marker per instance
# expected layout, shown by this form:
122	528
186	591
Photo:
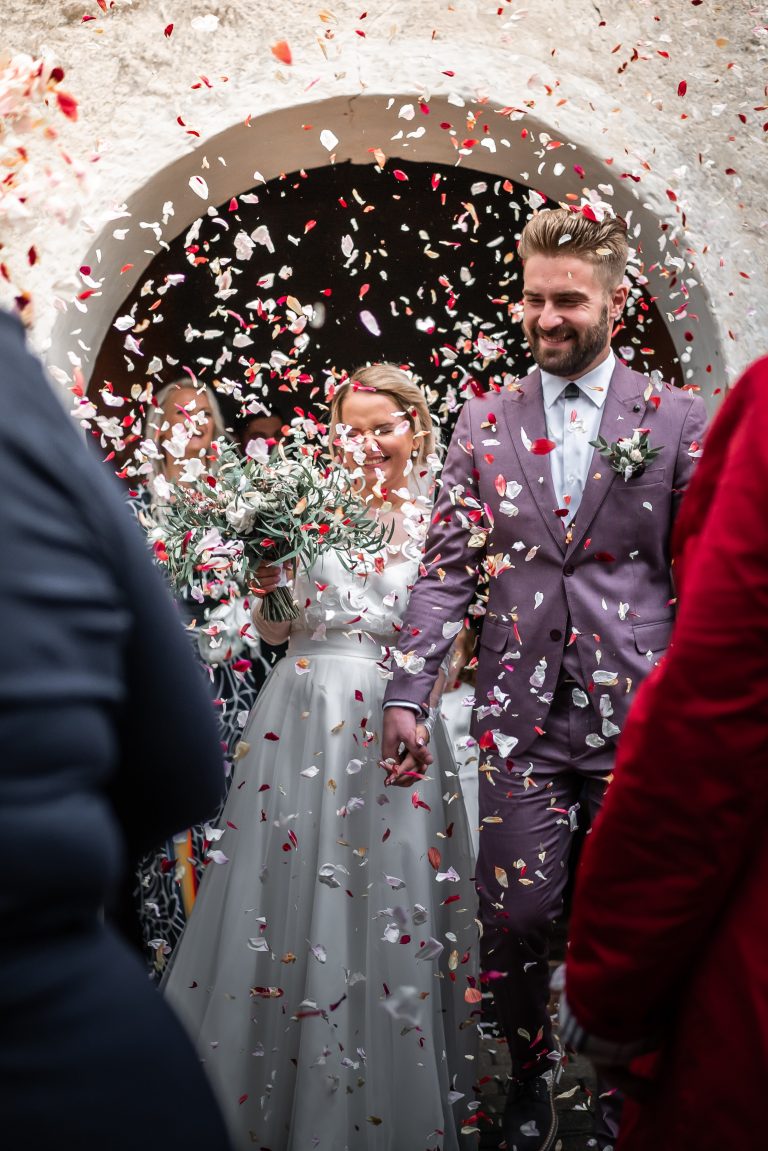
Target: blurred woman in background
182	425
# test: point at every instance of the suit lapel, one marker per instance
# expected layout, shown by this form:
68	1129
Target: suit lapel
619	418
524	412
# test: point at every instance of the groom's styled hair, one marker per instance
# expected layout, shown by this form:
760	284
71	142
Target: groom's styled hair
562	232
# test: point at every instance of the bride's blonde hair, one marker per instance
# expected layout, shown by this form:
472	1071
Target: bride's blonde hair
389	380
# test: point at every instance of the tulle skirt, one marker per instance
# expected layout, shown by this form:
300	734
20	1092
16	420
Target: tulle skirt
328	973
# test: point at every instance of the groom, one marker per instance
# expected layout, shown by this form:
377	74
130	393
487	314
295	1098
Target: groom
575	545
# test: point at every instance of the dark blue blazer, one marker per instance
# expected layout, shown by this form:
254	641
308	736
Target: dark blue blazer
107	745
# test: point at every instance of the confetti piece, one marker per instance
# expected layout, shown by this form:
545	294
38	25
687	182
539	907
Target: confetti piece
281	51
370	322
432	949
208	23
67	105
199	187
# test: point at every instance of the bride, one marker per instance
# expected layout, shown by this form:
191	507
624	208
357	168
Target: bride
327	973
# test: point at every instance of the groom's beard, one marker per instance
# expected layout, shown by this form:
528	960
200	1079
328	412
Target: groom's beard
578	355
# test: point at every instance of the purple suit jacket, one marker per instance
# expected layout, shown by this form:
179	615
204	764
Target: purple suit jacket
608	591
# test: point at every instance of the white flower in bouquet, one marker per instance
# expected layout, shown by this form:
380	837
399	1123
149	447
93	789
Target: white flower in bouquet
240	516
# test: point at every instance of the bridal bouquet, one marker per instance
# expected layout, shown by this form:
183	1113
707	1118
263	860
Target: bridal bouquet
219	523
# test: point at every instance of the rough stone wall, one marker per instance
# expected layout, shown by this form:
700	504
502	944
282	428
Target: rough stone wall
670	97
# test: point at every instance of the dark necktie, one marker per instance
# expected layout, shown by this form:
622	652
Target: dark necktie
573	482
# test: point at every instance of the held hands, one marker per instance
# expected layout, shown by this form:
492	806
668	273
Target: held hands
405	756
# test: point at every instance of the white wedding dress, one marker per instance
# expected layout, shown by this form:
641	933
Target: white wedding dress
328	971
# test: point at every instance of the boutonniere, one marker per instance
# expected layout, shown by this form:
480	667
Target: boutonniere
628	456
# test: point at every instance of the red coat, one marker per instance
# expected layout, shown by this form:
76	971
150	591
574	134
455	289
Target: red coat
669	933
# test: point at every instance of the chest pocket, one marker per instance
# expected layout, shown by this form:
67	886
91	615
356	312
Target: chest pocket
647	479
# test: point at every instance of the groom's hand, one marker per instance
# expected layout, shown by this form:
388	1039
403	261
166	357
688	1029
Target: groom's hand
405	755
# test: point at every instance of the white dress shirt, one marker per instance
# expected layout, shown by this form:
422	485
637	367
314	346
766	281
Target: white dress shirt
571	424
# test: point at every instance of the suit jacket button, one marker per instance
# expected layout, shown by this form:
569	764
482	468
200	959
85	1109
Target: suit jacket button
555	634
569	569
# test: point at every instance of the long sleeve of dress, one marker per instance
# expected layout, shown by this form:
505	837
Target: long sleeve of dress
273	632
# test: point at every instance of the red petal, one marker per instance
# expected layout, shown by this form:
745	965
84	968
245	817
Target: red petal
542	447
434	857
399	175
282	52
67	105
271	735
168	30
682	88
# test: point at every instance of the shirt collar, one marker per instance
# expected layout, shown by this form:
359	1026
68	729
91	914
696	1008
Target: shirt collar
594	384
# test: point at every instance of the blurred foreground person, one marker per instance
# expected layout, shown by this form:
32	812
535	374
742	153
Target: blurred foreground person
90	776
669	927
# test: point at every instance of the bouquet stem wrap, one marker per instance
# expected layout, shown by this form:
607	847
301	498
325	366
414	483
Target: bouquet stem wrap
279	605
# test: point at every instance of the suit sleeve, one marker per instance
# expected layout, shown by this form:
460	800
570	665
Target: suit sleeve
690	794
448	577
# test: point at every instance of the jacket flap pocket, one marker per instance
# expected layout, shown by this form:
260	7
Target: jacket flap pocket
652	636
646	479
496	636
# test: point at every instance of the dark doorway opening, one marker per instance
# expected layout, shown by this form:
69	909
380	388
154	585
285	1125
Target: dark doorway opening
316	272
